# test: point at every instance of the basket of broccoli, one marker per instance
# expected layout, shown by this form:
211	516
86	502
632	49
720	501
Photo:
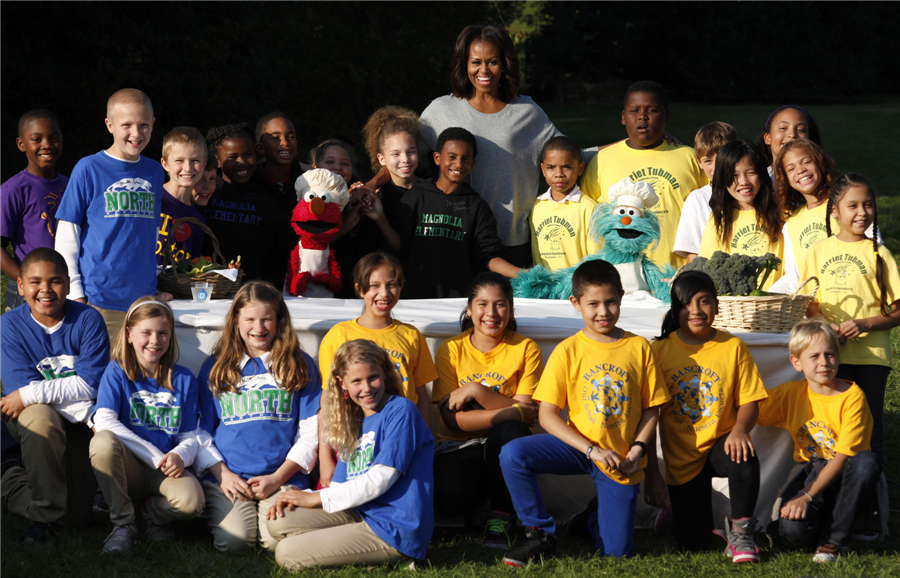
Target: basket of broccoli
743	303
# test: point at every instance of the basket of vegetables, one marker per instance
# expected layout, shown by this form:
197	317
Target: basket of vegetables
743	305
178	274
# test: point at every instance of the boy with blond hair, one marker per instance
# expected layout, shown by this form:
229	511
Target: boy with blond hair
831	425
184	156
695	212
109	216
608	380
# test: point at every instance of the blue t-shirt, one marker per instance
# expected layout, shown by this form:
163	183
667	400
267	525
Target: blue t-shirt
152	412
117	205
397	437
255	428
27	353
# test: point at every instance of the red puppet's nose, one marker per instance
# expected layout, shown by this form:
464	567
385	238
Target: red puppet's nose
317	206
626	220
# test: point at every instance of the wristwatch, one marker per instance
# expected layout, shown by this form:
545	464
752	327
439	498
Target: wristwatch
588	451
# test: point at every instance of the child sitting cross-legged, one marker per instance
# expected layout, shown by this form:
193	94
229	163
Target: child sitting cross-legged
608	380
831	425
378	507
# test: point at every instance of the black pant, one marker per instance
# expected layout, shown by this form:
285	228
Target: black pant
872	379
464	478
830	515
692	501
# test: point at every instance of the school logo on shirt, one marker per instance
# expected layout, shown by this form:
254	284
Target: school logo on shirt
840	269
363	456
52	199
605	396
399	364
131	197
748	240
490	379
656	177
155	411
232	212
56	367
551	233
697	394
818	439
259	399
811	233
425	227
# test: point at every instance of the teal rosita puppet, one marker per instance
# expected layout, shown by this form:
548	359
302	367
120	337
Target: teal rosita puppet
623	228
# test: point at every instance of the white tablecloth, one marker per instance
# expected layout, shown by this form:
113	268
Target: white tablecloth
198	326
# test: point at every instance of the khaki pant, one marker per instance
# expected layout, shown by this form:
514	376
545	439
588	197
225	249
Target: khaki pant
313	537
123	477
56	484
240	525
114	321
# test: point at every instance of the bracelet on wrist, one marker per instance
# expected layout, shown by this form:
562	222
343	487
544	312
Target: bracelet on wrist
521	411
641	445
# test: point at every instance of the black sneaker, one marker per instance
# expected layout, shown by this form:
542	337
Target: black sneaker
39	532
499	530
538	544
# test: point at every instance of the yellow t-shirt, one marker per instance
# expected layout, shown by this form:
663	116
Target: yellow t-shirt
606	387
511	368
806	226
746	239
402	342
820	425
848	290
707	383
559	232
672	170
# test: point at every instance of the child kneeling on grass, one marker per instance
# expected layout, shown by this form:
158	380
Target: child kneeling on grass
608	379
831	425
379	506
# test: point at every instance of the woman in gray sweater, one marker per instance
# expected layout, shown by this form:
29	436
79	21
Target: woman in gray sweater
510	130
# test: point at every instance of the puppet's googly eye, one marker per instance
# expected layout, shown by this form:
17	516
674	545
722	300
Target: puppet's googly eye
326	197
631	212
309	196
619	211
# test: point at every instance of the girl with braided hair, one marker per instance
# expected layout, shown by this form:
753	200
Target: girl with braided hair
859	292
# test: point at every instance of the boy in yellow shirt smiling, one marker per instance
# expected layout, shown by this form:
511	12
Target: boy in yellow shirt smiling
831	425
607	378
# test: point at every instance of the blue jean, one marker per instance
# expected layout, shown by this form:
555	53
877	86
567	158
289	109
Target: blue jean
831	517
522	459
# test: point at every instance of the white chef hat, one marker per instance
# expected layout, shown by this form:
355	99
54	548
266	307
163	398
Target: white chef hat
323	181
639	195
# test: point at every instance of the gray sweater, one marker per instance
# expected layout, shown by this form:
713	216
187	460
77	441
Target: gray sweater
507	171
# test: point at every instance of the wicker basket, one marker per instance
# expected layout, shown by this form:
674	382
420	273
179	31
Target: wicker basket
179	285
772	314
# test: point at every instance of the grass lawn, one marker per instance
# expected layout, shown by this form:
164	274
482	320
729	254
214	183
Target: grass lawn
459	555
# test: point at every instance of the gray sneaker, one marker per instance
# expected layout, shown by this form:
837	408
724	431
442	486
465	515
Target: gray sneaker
119	540
739	533
156	532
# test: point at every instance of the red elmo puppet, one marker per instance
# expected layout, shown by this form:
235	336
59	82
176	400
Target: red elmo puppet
314	272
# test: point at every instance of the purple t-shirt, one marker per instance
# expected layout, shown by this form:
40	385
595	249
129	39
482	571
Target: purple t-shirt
188	239
28	211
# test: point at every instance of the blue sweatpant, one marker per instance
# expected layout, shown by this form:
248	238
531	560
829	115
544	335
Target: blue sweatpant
522	459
